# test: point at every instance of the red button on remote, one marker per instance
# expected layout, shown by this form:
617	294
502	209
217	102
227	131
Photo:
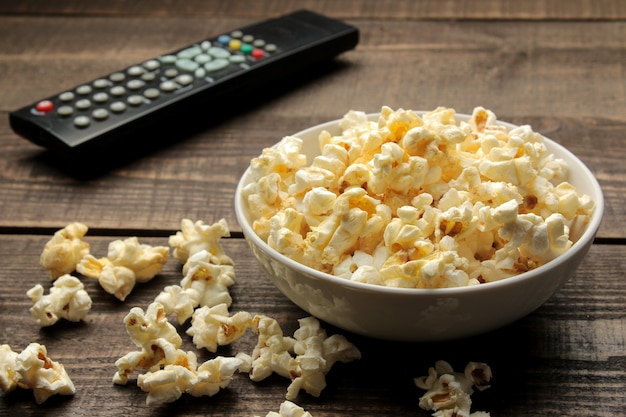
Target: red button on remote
44	106
257	53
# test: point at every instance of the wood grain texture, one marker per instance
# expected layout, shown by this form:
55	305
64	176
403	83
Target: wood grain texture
540	363
559	66
385	9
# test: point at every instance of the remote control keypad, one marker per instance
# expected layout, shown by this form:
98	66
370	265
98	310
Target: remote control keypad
149	81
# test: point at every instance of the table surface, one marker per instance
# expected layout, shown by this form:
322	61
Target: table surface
559	66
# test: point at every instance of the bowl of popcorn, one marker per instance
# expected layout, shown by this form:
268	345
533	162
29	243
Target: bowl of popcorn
418	225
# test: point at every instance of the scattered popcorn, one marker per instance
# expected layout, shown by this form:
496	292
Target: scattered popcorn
416	201
67	299
305	359
195	237
289	409
154	334
448	392
127	263
204	284
33	369
8	374
213	326
170	371
62	253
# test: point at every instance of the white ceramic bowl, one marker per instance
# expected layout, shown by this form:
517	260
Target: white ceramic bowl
422	314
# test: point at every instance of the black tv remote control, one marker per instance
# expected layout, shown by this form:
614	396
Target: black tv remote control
94	115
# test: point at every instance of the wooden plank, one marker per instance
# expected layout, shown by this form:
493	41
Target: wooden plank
541	364
377	9
565	81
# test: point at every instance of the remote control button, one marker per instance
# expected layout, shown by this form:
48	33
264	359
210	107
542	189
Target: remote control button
151	65
118	90
82	121
135	71
205	45
83	104
234	44
223	39
257	53
236	34
200	73
168	59
117	77
259	43
189	53
135	100
83	90
187	65
216	64
184	79
168	86
152	93
100	114
202	58
65	111
100	97
67	96
148	76
171	72
246	48
135	84
270	47
237	59
248	38
217	52
117	107
44	106
101	83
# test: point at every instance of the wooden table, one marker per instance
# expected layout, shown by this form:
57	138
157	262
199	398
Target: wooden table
559	66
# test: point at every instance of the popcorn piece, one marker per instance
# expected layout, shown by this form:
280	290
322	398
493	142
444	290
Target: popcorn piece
195	237
33	369
67	299
9	378
212	326
204	284
289	409
127	263
153	333
62	253
395	188
272	352
166	385
215	374
305	360
449	392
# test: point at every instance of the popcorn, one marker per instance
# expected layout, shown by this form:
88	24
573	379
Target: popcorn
448	392
315	355
127	263
67	299
204	284
305	359
8	374
289	409
435	202
62	253
152	332
33	369
195	237
212	326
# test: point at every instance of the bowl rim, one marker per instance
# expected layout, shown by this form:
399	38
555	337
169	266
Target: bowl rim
585	238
